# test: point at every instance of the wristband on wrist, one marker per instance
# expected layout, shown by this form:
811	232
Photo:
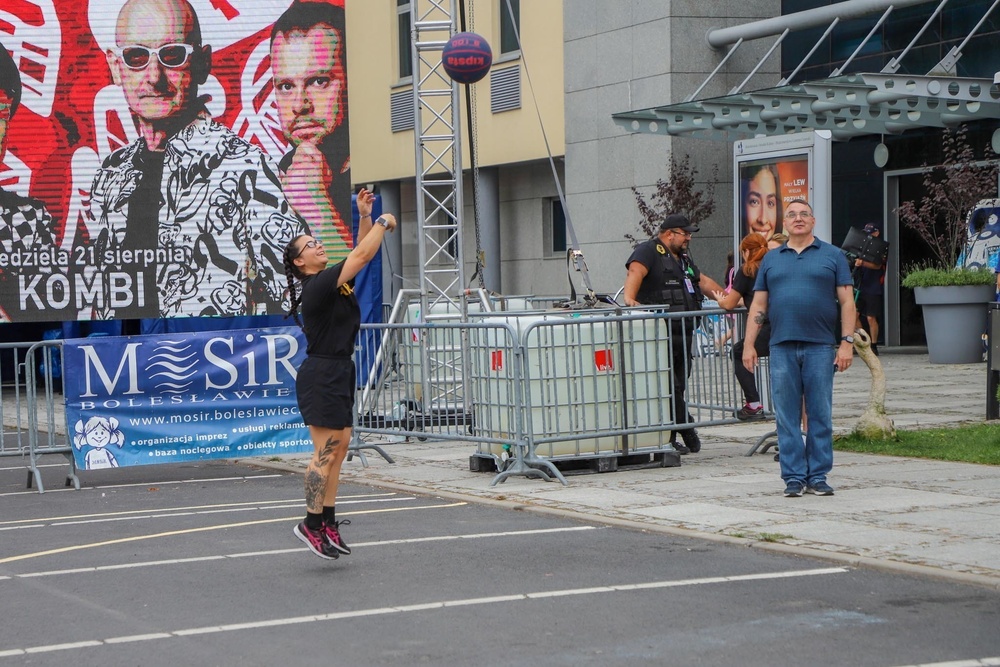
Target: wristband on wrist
366	216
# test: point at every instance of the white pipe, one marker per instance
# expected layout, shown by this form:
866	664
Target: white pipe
849	9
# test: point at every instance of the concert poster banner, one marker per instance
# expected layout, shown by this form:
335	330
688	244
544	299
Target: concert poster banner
149	171
137	400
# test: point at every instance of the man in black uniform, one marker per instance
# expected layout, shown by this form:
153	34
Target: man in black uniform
660	272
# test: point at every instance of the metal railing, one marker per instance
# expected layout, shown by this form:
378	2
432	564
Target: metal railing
541	387
30	379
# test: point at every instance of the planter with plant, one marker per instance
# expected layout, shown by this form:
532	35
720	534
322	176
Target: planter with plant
953	297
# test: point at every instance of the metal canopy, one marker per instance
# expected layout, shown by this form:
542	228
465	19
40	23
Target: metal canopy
848	106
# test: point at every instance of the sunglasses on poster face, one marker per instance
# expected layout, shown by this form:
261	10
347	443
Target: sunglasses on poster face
170	55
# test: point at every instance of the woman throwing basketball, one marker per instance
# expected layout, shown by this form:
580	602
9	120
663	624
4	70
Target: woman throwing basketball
325	384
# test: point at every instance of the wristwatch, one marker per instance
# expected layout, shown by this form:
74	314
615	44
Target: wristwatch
382	221
849	339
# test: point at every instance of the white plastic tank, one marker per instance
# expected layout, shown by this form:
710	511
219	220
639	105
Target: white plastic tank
584	373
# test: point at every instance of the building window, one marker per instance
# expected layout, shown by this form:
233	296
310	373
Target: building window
509	25
403	9
554	228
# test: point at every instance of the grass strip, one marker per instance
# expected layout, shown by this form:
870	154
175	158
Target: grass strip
976	443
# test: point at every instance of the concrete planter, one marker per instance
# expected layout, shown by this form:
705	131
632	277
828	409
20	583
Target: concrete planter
954	321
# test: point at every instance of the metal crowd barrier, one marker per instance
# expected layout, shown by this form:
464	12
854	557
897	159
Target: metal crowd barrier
531	389
417	379
30	379
764	442
763	377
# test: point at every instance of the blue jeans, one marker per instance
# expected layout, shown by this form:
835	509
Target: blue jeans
797	370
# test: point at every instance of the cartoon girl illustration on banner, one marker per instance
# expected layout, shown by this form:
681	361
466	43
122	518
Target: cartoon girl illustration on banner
98	433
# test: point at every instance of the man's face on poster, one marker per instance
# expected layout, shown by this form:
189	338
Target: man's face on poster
761	204
155	62
309	82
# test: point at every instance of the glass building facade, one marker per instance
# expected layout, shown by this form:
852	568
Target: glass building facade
980	57
863	192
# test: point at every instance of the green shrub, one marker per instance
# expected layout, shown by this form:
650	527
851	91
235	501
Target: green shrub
936	277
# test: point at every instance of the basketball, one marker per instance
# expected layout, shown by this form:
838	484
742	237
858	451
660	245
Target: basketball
466	57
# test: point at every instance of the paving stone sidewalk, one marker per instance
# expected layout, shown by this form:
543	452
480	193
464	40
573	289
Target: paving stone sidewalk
934	517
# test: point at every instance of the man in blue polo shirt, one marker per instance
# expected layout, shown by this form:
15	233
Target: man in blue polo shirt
805	290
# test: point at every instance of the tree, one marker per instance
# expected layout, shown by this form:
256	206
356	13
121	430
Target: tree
951	190
677	193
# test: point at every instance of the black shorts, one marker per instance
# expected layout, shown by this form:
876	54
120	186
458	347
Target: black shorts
325	392
870	305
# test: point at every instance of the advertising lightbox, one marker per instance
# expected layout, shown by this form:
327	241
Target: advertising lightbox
773	171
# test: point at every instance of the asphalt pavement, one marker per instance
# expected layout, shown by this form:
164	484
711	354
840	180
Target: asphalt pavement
195	563
915	515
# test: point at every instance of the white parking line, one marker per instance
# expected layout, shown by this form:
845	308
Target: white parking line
279	552
971	662
403	609
256	504
61	647
27	525
202	529
236	478
46	465
292	505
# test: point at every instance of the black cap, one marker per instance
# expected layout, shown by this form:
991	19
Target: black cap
678	221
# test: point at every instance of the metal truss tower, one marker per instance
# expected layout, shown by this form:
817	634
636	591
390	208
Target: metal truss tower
438	150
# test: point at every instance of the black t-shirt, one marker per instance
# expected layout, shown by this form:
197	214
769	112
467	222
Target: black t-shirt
331	317
743	284
870	281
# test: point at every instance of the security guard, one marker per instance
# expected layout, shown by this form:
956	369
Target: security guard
660	272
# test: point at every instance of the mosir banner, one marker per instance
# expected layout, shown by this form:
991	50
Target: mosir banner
135	400
156	156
